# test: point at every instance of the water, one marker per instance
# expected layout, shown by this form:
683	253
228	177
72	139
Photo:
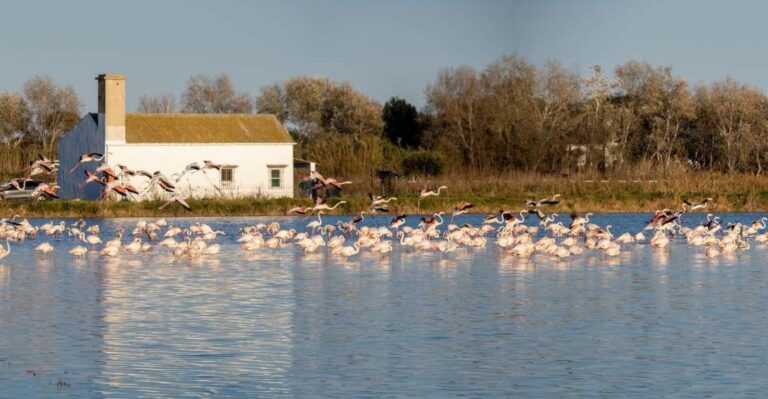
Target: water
475	323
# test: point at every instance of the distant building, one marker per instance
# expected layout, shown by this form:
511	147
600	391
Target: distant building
607	154
255	149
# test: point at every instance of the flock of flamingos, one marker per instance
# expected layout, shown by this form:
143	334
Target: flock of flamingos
508	231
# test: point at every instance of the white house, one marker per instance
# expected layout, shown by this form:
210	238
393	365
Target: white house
255	149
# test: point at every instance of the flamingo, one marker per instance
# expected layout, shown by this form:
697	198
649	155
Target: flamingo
577	220
398	221
689	206
178	199
78	251
110	251
321	205
41	166
46	191
428	193
430	222
325	182
350	250
546	201
210	165
5	251
44	248
379	200
299	210
461	209
91	239
359	218
85	158
315	224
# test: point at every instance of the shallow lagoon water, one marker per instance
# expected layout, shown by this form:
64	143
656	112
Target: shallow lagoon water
475	323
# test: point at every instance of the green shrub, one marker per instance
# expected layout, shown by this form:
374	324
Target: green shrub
422	163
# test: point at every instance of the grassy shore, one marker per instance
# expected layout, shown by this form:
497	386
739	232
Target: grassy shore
740	193
620	201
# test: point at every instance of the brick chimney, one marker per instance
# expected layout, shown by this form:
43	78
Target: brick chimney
112	105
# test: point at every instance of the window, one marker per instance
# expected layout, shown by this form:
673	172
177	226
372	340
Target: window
275	178
227	177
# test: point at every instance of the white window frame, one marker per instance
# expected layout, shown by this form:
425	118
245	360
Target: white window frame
281	171
227	185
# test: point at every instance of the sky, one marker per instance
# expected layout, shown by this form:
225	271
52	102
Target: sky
703	41
384	48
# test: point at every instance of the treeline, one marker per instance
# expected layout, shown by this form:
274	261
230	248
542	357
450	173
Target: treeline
511	115
33	119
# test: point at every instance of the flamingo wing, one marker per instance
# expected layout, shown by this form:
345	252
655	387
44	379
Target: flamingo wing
183	203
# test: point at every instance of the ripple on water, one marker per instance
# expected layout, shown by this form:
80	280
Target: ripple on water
476	323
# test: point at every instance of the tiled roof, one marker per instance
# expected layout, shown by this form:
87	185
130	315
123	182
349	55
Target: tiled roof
204	128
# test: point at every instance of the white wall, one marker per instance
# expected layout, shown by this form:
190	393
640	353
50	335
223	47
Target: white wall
251	177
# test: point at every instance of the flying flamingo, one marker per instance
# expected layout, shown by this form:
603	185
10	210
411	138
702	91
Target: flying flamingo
690	206
546	201
90	177
178	199
359	218
428	193
299	210
461	209
398	221
46	191
85	158
379	200
321	205
325	182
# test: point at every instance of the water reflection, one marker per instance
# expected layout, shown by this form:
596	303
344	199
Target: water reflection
476	322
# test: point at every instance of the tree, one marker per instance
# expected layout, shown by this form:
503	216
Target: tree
401	123
215	95
313	106
735	114
557	92
455	101
511	115
664	104
164	103
54	109
15	119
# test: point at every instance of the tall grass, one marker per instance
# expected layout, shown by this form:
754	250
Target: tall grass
581	193
14	159
638	187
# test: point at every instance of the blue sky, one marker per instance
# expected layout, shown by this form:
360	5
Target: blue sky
383	48
703	41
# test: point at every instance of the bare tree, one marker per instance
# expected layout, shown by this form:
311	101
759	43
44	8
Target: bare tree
736	113
663	102
164	103
54	109
312	106
15	118
215	95
455	99
557	91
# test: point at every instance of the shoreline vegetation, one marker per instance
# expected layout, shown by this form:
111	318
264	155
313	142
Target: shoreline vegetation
739	193
632	139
